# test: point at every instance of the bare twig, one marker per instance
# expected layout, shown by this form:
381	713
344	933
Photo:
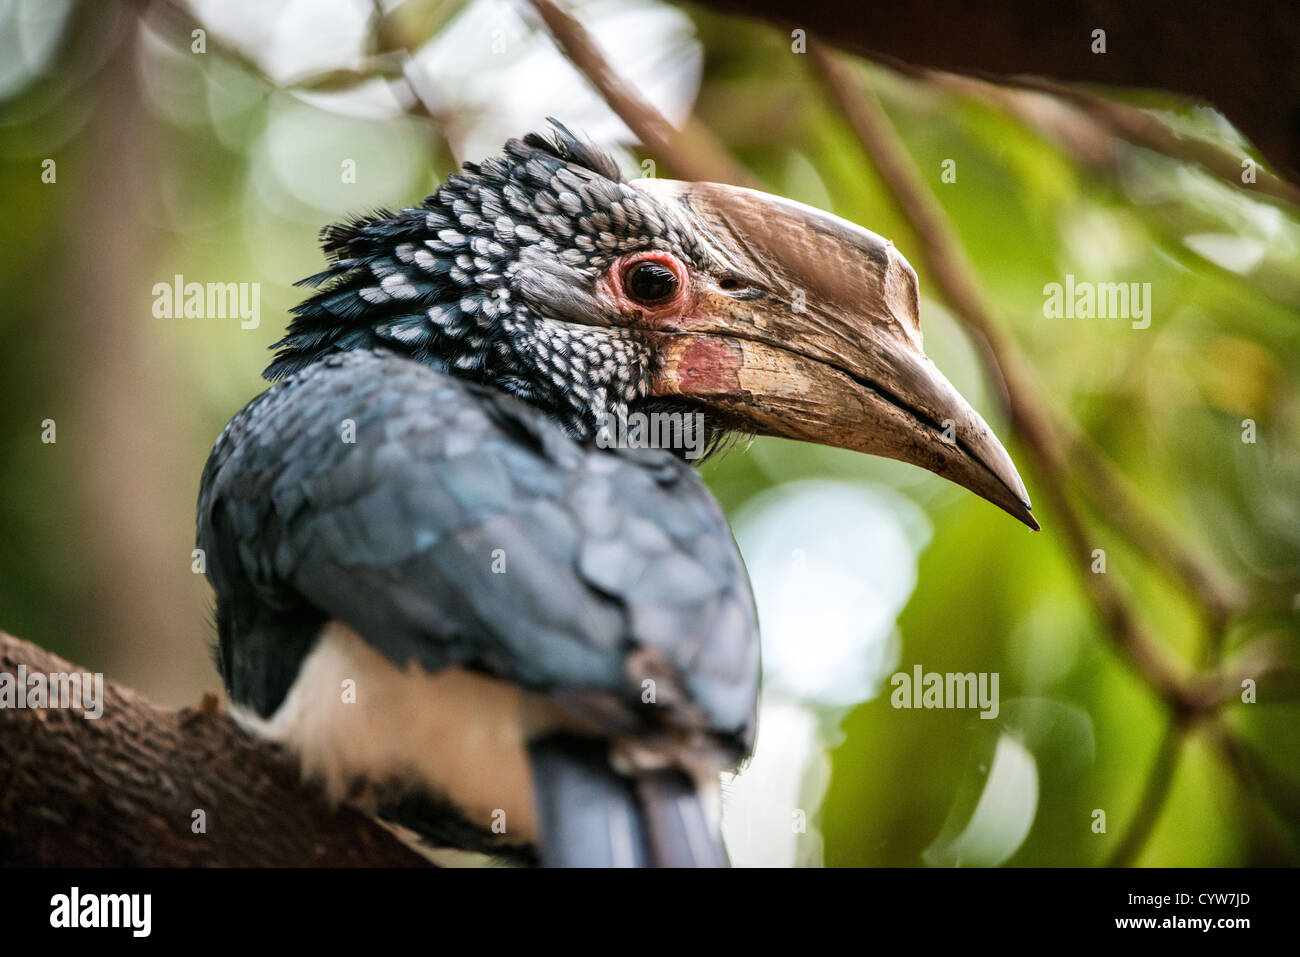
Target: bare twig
1090	142
955	278
1256	775
1059	438
1270	659
419	99
394	65
692	152
1058	450
1086	119
1152	799
1143	128
1122	509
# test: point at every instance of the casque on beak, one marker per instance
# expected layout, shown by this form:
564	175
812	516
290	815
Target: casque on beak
813	333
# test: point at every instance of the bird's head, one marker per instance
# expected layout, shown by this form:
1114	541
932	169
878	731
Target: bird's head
544	273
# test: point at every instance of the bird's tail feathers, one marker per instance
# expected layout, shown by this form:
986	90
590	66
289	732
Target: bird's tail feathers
590	815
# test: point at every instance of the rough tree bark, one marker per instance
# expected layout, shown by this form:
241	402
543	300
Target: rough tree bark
122	789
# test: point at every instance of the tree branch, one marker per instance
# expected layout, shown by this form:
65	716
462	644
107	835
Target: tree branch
692	152
1258	777
1092	143
1240	60
955	278
1056	448
1143	128
122	790
1154	792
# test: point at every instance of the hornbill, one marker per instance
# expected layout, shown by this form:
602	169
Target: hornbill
461	609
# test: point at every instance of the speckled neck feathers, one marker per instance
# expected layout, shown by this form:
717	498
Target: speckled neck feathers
493	279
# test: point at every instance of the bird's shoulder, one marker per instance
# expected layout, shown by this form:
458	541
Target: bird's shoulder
450	523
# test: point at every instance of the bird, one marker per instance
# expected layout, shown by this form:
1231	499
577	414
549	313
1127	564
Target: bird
449	584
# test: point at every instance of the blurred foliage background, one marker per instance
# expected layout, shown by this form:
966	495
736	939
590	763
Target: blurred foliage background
219	156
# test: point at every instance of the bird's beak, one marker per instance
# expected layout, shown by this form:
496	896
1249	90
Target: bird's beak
811	331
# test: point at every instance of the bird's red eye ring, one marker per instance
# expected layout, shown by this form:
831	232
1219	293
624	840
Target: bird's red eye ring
651	281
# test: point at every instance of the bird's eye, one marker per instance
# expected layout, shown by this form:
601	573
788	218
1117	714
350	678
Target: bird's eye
650	283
